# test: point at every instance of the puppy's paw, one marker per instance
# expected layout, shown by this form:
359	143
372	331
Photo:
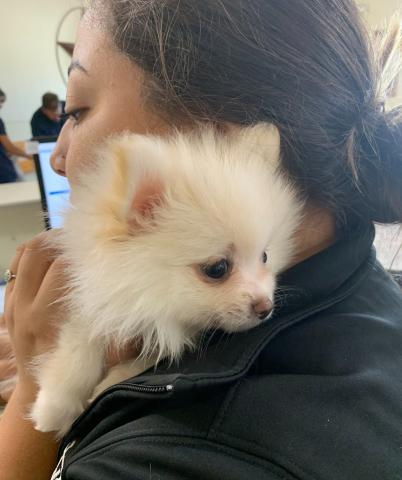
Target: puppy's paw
115	375
52	413
121	372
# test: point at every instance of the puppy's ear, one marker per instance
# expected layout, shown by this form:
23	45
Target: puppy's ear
146	169
149	195
127	185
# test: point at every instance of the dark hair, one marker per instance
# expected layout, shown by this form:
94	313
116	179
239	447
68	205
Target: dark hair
2	94
50	101
306	66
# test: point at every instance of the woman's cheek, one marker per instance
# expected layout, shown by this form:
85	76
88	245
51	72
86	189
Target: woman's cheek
75	164
82	148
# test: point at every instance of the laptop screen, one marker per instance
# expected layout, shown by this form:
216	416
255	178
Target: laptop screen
54	188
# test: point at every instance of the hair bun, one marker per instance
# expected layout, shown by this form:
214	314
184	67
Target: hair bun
380	166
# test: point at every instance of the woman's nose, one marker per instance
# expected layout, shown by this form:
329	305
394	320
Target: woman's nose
59	154
58	163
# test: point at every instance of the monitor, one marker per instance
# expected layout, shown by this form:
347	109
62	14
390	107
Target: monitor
54	189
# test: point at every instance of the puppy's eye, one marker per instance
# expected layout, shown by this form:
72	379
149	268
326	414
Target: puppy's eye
217	270
264	257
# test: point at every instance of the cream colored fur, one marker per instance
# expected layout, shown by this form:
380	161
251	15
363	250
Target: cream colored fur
142	223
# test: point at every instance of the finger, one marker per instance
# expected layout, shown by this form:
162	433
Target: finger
7	369
51	295
14	268
34	263
7	387
54	284
5	345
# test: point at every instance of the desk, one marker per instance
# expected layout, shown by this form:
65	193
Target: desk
20	216
19	193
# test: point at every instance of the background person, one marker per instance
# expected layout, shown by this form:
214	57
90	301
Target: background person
46	121
8	173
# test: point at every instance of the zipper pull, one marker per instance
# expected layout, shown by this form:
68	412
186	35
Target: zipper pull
59	469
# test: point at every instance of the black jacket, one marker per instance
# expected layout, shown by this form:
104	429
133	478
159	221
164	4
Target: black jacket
313	394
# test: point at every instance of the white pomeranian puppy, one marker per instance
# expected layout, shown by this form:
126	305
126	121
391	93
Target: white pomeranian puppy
165	239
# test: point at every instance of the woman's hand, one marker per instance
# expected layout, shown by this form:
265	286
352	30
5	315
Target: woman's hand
32	314
33	302
8	368
34	308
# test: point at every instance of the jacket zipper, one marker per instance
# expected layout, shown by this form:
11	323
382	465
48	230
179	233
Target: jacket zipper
59	468
134	387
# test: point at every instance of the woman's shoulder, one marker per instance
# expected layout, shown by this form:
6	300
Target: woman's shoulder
328	389
312	404
361	331
305	395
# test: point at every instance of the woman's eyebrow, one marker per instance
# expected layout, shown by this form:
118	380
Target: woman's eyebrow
76	65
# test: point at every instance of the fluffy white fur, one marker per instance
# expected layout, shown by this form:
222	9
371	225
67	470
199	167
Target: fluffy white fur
142	224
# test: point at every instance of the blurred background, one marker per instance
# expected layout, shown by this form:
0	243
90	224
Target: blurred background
29	56
37	38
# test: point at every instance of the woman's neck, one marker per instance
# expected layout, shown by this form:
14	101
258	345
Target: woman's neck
315	233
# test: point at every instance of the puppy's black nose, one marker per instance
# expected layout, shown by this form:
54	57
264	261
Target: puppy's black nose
262	308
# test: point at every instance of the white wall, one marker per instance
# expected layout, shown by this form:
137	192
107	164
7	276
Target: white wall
378	10
28	65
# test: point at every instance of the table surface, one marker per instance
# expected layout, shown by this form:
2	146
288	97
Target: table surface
19	193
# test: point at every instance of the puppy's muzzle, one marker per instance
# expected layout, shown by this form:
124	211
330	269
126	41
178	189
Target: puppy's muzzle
262	308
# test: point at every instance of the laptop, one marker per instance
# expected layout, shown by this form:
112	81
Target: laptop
54	189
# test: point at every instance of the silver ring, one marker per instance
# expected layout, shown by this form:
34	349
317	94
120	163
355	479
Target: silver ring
8	276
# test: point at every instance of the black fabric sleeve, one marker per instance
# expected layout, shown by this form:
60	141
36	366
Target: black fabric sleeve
2	128
170	458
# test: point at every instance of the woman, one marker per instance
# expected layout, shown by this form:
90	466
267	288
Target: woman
317	391
7	170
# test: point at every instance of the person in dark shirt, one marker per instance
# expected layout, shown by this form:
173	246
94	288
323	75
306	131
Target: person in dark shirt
45	121
8	173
